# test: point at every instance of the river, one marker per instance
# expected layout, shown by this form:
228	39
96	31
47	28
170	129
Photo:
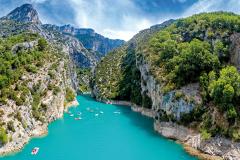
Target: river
105	132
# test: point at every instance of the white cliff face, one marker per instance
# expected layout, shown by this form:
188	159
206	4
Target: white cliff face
168	102
216	147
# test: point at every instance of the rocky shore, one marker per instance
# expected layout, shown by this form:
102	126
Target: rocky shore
41	129
215	148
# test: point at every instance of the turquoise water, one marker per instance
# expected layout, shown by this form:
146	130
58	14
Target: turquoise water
109	136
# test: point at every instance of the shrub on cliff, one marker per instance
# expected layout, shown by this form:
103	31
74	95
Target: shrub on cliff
42	44
3	136
69	95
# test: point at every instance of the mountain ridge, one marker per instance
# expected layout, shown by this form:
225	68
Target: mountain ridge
91	39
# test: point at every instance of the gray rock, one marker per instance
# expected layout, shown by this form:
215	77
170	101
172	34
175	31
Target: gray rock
25	13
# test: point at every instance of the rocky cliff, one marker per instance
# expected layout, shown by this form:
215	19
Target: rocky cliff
38	78
37	95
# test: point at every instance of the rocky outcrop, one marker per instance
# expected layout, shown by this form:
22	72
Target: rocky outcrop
167	103
25	13
235	50
216	147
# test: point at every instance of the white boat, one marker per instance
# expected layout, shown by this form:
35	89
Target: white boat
35	151
96	114
78	118
68	112
71	115
101	112
117	112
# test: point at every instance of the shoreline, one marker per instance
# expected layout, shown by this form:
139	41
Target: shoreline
38	132
151	114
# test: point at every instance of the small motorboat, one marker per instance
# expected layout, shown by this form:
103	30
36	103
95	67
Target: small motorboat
96	114
101	112
71	115
78	118
35	150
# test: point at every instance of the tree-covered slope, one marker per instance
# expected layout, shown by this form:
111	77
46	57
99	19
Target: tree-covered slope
195	50
117	76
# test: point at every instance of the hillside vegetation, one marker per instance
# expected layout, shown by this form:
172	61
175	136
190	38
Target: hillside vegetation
32	73
190	50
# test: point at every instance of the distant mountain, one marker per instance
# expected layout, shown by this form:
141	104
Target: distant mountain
92	40
84	45
25	13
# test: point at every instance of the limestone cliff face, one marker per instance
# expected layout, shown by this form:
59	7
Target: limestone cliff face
235	50
167	103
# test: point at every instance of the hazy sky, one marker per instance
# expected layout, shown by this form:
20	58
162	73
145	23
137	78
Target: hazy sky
118	18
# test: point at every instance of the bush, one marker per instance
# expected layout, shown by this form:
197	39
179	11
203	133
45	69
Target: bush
42	44
146	101
178	95
225	90
31	68
10	126
50	86
18	116
205	134
3	136
69	95
56	90
51	74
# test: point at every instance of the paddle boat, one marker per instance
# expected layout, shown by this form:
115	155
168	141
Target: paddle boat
35	151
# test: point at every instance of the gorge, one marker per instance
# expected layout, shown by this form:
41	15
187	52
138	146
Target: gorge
182	74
